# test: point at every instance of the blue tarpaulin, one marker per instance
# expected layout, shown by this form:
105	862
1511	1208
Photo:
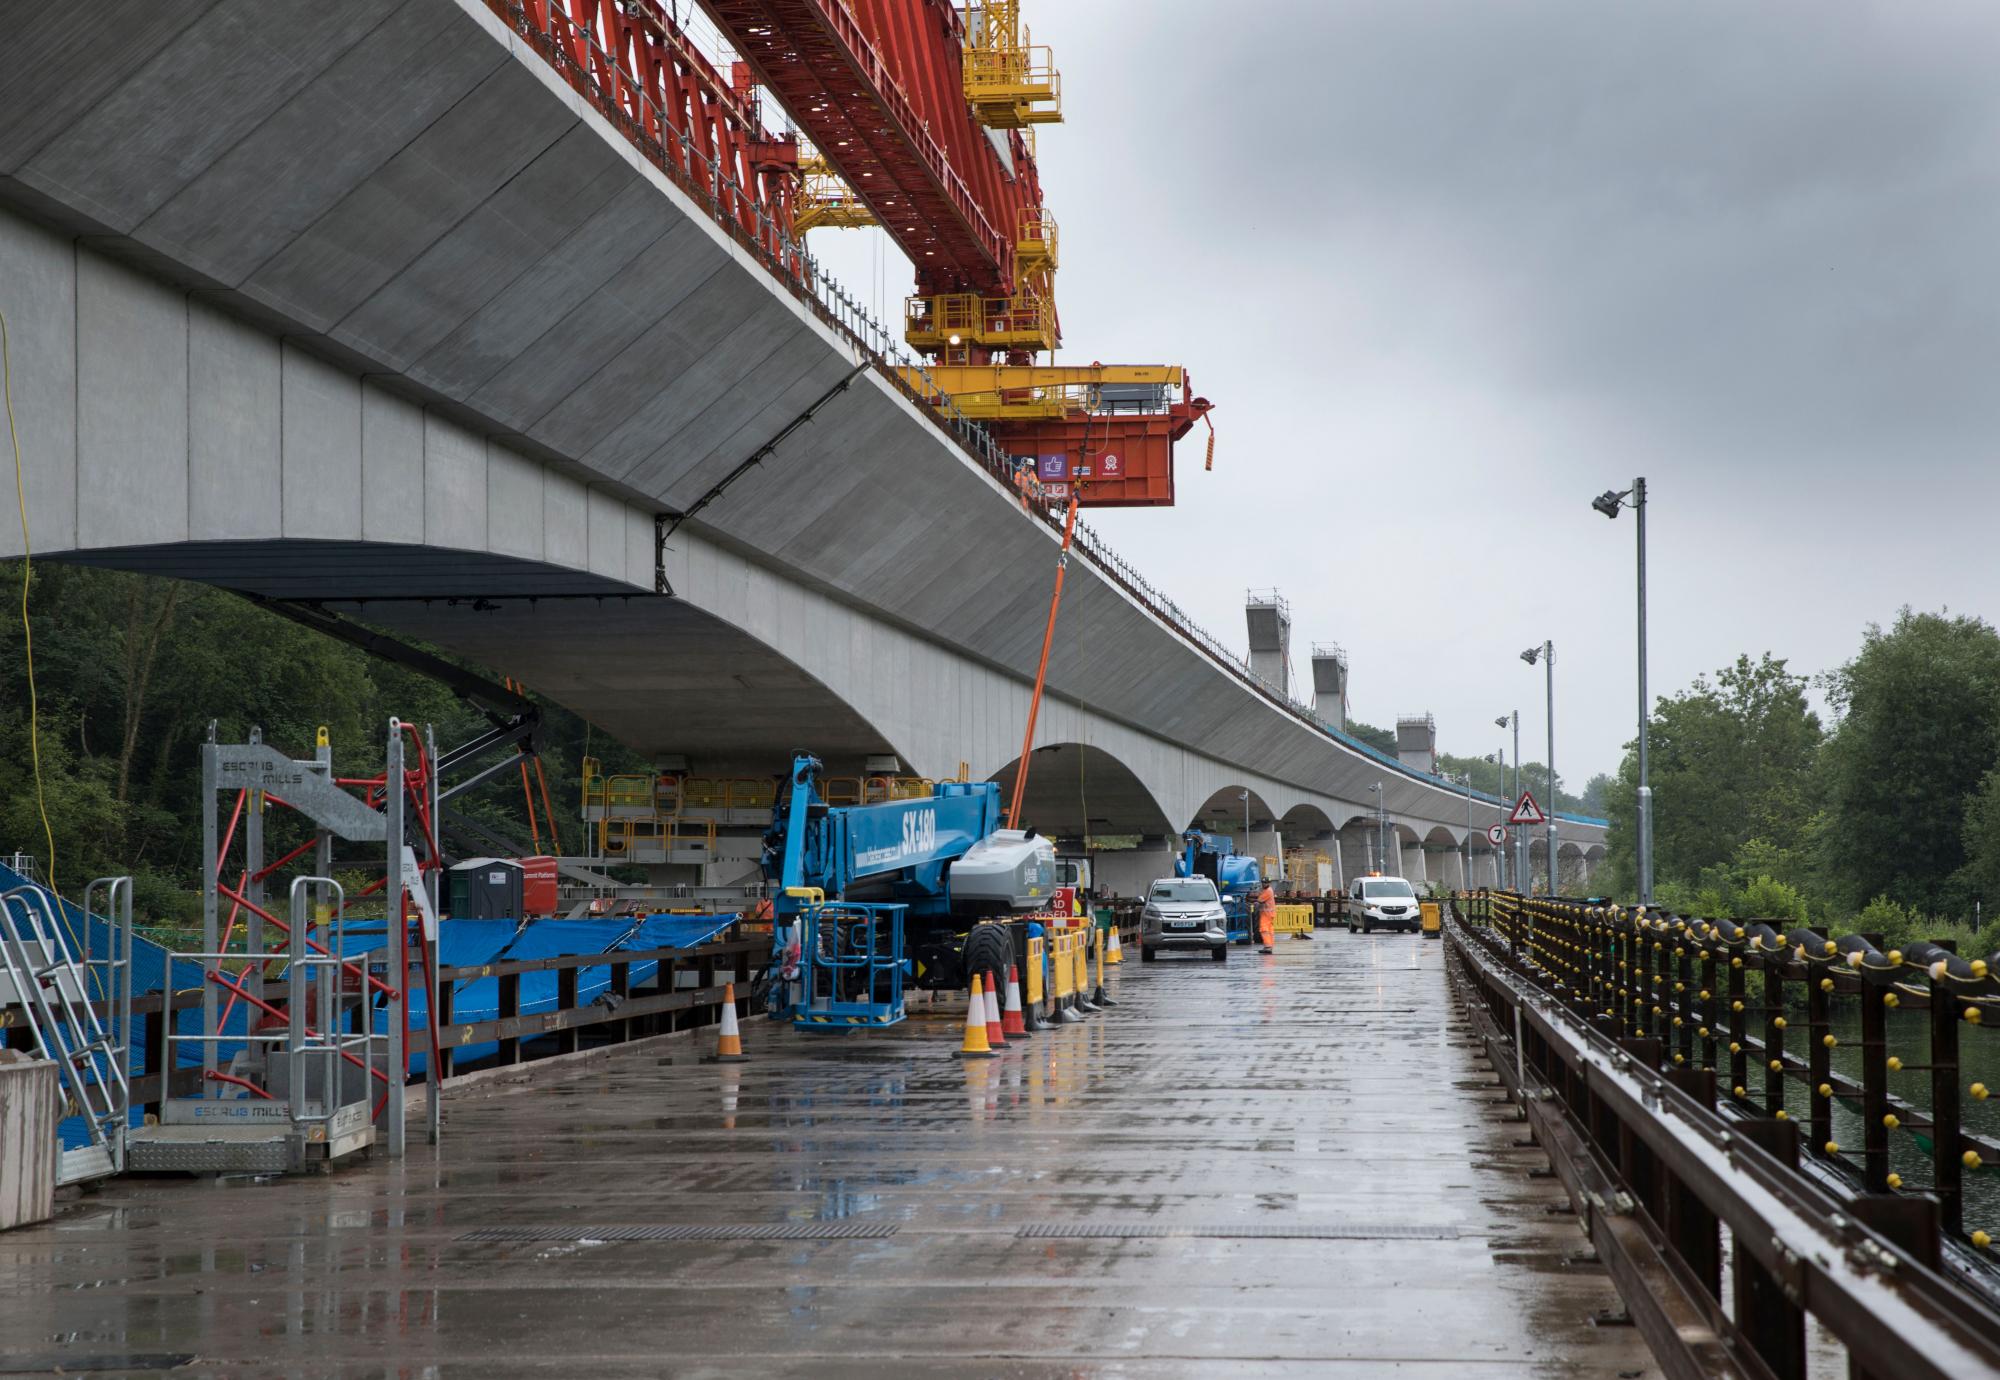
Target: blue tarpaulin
461	944
464	943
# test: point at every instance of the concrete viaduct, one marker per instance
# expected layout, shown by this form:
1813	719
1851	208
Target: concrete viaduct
363	304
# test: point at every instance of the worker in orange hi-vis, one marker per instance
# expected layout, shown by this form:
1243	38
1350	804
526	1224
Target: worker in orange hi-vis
1267	917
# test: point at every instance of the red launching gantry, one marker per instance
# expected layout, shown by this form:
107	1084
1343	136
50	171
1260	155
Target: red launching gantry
920	117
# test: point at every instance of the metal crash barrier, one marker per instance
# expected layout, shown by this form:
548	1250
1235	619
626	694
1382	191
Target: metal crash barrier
1576	1008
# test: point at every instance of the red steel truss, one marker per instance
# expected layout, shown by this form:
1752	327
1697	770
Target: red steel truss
877	85
637	67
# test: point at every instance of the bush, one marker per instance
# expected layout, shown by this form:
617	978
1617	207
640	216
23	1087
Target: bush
1764	899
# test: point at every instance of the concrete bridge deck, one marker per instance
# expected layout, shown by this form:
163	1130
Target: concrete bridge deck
1324	1088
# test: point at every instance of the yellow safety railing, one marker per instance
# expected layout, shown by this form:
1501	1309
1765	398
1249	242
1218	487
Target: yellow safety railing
1025	321
824	200
1033	995
728	792
629	797
1009	82
1036	240
631	838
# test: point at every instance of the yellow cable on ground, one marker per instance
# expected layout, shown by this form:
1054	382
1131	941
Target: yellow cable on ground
27	630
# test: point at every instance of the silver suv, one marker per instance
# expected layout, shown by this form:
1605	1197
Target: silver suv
1183	913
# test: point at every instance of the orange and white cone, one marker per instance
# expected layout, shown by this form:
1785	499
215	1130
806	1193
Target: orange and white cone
729	1044
1114	954
975	1045
996	1033
1011	1022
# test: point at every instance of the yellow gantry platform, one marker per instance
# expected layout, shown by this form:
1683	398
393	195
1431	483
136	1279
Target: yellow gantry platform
825	201
1025	321
1010	82
1042	392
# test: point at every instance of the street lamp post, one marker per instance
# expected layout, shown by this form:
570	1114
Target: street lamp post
1608	503
1381	829
1465	853
1546	654
1520	839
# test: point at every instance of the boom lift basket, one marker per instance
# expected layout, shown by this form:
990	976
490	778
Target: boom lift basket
850	965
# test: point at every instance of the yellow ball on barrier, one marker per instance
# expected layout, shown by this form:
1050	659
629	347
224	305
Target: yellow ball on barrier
1891	1120
1830	1041
1780	1114
1981	1240
1972	1015
1736	1006
1735	1048
1895	1065
1894	1181
1891	999
1978	1091
1826	984
1778	1022
1777	1066
1738	1090
1895	958
1832	1147
1824	1090
1970	1159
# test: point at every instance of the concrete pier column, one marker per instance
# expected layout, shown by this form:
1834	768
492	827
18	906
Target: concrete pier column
1128	872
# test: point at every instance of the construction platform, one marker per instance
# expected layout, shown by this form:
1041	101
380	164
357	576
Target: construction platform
1294	1164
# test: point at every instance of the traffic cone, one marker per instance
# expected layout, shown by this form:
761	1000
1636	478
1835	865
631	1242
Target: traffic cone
996	1034
1114	954
975	1045
1011	1023
729	1045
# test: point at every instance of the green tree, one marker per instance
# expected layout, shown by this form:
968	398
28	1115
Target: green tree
1381	739
1919	732
1596	796
1731	761
131	670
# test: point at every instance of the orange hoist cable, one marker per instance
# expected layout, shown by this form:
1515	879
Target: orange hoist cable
1042	671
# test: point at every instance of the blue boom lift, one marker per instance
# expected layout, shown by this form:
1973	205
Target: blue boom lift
855	882
1237	877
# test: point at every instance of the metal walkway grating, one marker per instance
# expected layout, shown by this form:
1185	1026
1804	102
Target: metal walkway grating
694	1231
1257	1231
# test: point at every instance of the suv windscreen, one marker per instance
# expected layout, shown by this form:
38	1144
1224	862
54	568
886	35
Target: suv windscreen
1390	890
1188	891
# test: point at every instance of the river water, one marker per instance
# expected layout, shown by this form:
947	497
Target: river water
1909	1040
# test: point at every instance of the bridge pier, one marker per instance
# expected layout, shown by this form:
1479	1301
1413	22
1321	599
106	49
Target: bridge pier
1128	872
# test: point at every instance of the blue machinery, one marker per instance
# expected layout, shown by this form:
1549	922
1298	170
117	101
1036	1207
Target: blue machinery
1237	876
850	966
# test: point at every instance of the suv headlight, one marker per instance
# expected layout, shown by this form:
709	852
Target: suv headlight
1150	913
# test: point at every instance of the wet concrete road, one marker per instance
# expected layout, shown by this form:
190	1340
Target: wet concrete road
1322	1089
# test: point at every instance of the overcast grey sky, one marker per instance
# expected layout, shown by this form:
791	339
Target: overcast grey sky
1450	269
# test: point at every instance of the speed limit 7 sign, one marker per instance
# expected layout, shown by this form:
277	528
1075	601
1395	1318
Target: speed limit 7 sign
1496	834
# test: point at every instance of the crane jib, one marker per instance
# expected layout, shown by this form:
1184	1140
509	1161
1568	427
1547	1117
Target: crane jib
914	833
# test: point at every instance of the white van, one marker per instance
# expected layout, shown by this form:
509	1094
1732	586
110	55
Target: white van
1383	903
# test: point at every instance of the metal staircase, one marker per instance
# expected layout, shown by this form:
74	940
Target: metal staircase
76	1007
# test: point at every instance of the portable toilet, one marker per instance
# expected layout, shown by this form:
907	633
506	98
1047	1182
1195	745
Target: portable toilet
487	889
